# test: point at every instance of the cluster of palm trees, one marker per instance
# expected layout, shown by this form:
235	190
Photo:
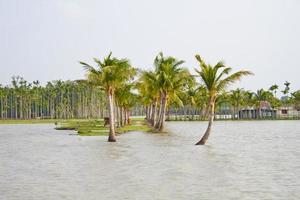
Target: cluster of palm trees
113	86
115	77
58	100
160	87
169	85
165	83
240	98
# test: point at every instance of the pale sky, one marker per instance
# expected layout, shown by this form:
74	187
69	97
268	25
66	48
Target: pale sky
45	39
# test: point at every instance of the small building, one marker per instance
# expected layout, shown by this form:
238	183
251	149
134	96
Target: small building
288	112
265	111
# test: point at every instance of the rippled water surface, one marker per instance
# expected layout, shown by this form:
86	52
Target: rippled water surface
243	160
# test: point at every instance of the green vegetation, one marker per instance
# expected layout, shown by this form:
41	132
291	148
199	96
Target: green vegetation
162	86
111	75
114	91
96	127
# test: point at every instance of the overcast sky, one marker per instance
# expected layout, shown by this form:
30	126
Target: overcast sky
45	39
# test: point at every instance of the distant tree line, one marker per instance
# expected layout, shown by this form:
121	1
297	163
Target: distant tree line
80	99
56	100
117	90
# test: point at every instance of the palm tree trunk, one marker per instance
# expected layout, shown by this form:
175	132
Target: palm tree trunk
158	114
150	113
121	116
125	117
210	122
193	113
128	116
117	113
163	112
112	133
147	113
154	111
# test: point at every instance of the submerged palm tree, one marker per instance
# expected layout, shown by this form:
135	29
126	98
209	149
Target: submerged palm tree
171	77
110	75
216	79
149	91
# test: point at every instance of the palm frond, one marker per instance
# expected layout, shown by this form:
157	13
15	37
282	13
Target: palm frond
231	79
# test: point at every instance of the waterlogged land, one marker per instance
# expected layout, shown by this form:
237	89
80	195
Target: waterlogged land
243	160
86	127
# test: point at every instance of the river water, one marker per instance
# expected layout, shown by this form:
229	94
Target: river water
243	160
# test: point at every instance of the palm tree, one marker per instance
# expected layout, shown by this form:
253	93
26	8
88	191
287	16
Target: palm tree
287	88
110	75
296	99
170	78
190	94
236	97
125	100
286	98
149	92
260	96
274	89
215	81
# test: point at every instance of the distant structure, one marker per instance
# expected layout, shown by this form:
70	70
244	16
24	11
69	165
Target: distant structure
264	111
288	112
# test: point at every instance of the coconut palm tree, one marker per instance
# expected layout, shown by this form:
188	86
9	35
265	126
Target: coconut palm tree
190	94
149	91
236	97
110	74
171	77
216	79
125	99
260	96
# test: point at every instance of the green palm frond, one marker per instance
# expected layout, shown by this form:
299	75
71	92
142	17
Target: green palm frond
216	78
231	79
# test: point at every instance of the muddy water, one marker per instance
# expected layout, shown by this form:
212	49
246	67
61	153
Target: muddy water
243	160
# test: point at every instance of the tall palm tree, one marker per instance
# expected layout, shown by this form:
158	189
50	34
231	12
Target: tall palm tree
171	77
149	90
286	98
216	79
110	74
274	89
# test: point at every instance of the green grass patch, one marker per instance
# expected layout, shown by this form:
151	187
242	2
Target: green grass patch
96	128
144	128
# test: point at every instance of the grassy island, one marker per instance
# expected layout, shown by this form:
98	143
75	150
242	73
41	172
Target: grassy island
96	127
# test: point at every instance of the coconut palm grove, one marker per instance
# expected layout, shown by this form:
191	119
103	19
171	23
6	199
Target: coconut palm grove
116	91
149	100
